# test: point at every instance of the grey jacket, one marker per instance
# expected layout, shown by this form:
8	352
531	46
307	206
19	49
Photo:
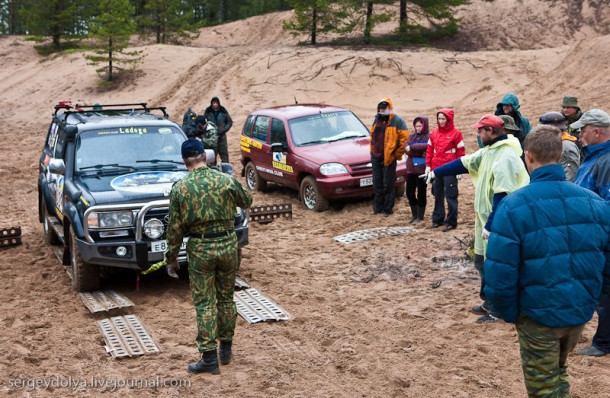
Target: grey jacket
570	159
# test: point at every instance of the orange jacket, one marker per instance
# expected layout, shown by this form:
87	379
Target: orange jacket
395	137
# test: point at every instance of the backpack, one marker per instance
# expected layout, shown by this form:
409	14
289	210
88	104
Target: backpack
209	138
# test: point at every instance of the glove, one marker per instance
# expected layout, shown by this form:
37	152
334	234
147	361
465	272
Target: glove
428	176
173	268
485	234
458	177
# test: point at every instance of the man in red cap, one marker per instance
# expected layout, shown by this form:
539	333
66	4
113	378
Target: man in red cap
496	170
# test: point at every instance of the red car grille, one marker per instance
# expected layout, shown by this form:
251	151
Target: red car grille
360	168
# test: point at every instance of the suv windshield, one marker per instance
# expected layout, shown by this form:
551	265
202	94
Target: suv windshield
129	147
326	127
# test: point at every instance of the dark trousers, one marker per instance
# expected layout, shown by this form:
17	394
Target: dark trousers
445	188
478	264
222	149
414	183
384	181
601	340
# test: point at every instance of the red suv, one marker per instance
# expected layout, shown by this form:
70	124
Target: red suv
321	150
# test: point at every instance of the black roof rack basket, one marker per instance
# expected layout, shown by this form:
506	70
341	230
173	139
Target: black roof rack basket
108	108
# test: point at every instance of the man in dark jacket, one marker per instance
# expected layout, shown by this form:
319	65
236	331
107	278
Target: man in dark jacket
218	115
594	174
548	259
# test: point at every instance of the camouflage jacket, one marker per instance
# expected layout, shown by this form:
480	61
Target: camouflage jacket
209	137
203	202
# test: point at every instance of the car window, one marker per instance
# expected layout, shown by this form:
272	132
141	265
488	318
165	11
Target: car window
58	151
278	132
248	126
260	128
326	127
52	135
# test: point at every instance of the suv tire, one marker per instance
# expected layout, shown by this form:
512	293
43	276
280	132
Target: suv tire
311	196
85	277
254	182
50	236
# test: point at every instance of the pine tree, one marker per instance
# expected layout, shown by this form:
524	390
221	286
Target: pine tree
112	28
438	13
55	18
170	20
313	17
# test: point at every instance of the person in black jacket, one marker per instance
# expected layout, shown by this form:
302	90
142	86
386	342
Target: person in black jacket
219	115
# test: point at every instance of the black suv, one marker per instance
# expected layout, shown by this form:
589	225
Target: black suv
104	178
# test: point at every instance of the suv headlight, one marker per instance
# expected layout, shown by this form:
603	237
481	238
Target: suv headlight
114	219
153	228
329	169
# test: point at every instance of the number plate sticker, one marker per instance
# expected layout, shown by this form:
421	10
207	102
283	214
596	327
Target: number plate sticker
366	181
161	246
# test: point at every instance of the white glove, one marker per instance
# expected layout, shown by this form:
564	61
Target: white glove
428	170
428	175
485	234
173	268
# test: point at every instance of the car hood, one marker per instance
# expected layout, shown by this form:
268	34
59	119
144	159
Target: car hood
138	186
350	151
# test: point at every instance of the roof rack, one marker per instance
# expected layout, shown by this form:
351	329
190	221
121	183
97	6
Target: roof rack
103	108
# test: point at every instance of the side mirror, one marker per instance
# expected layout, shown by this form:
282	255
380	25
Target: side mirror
278	147
57	166
210	157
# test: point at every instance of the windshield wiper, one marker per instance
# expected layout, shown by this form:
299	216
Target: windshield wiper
160	161
103	166
315	142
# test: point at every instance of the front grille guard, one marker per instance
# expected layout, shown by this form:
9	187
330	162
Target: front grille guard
142	208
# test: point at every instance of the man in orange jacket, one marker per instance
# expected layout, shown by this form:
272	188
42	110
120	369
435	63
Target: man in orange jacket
388	136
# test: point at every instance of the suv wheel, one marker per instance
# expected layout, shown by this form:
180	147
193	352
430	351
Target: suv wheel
85	277
254	182
310	193
50	236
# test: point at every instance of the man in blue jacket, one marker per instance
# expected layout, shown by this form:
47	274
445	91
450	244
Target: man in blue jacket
548	259
594	174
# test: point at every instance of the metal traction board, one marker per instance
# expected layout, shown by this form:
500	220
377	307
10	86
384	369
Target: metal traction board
104	300
372	233
254	307
241	284
126	337
268	213
10	236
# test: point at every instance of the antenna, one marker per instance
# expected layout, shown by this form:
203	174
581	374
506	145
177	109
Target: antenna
295	100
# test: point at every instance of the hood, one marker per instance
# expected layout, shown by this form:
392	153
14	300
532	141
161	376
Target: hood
138	186
512	142
425	122
449	113
389	101
345	151
509	99
567	137
215	99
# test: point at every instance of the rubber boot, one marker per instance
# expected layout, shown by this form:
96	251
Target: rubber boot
413	214
225	352
420	213
207	364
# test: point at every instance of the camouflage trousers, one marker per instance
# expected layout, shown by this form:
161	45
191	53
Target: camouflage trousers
544	355
222	148
212	267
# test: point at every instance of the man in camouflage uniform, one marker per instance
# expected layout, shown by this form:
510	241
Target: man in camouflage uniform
202	206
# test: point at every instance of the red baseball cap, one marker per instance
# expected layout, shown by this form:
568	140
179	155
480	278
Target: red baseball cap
489	121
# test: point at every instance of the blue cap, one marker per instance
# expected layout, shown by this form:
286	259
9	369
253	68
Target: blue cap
192	148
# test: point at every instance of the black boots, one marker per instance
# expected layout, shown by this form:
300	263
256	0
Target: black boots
207	364
413	214
225	352
417	214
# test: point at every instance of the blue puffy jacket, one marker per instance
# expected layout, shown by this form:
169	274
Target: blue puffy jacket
594	173
548	255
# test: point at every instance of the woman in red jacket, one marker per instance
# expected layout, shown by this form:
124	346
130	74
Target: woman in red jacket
446	144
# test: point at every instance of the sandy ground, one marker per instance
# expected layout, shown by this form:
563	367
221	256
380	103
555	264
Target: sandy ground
370	318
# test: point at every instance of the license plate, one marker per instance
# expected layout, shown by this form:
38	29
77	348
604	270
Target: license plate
366	181
161	246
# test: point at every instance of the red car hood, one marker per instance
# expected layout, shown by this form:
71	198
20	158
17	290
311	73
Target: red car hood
350	151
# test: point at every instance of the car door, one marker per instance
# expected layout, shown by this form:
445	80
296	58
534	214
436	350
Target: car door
260	150
282	162
56	181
